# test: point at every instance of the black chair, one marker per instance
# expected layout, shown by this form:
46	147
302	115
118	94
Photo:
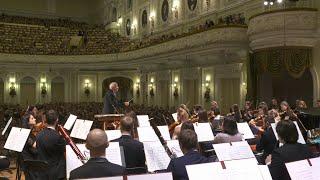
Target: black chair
136	170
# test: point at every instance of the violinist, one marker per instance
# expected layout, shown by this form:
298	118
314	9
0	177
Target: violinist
257	124
29	151
214	110
274	104
51	147
247	112
182	116
235	111
287	112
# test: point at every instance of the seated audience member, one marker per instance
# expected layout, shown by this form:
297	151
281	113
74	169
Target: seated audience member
289	152
133	149
29	151
51	148
97	166
188	143
229	132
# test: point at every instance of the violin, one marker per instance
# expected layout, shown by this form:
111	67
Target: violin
173	126
38	128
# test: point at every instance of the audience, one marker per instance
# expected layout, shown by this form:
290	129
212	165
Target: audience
97	166
189	144
133	149
229	132
290	151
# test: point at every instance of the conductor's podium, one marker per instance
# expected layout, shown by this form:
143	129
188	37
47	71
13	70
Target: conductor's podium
109	121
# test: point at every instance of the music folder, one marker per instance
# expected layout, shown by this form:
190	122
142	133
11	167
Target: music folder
70	121
81	129
143	120
113	134
233	151
307	169
203	131
17	139
245	130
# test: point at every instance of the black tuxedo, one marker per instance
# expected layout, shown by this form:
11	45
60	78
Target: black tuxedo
51	148
178	166
284	154
267	144
133	151
96	168
111	102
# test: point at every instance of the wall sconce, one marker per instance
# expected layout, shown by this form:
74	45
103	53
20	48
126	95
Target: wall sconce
12	89
207	96
87	86
151	19
138	87
43	87
175	7
119	21
134	26
151	92
175	87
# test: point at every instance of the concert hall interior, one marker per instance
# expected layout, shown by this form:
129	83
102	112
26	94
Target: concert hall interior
160	89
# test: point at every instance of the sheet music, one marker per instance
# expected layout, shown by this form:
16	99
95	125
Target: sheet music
164	130
156	156
70	121
175	117
264	171
6	127
250	172
204	132
81	129
206	171
175	147
300	170
238	150
300	138
245	130
158	176
143	120
315	168
72	162
107	178
17	139
147	134
113	134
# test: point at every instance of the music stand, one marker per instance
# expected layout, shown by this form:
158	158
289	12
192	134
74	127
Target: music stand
108	119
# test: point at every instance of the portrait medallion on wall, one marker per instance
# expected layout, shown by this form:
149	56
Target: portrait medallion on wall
128	27
144	18
165	10
192	4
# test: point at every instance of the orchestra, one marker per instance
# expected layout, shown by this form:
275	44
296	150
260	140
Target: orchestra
48	139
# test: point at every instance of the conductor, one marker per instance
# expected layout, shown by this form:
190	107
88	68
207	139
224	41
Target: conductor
111	103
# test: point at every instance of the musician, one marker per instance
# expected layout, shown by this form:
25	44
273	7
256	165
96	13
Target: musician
133	149
202	117
182	117
258	124
235	111
111	103
51	147
287	111
247	112
29	151
274	104
229	132
289	152
214	108
97	166
188	143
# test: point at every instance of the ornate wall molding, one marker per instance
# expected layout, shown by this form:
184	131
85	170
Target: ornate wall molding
292	27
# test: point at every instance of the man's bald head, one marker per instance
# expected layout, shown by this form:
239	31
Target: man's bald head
97	141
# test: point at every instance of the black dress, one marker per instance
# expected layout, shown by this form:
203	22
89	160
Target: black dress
29	153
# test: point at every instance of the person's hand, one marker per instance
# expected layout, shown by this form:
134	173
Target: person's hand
126	103
268	159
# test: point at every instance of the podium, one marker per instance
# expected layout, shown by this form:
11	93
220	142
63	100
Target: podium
109	121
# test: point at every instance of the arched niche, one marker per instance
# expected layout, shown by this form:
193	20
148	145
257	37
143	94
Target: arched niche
27	91
125	87
57	89
1	91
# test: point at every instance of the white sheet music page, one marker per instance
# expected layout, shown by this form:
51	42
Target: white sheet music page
143	120
113	134
81	129
204	132
299	170
264	170
157	176
300	138
206	171
164	130
241	150
245	130
72	162
6	127
222	151
70	121
156	156
315	168
250	172
147	134
17	139
175	147
175	116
